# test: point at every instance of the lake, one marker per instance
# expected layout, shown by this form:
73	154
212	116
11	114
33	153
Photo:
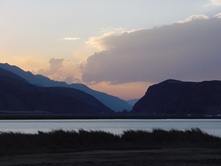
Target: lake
116	126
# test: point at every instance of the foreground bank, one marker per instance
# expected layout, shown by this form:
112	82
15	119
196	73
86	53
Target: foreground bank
152	157
59	147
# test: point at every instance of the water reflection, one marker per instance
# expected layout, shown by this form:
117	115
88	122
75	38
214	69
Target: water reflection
116	126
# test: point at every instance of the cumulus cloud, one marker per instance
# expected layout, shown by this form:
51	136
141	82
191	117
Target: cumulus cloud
101	43
187	51
194	17
62	70
218	16
213	3
72	79
55	64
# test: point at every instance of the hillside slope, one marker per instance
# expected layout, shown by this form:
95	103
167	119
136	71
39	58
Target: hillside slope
110	101
18	96
178	98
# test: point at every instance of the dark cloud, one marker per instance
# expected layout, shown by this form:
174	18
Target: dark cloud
187	51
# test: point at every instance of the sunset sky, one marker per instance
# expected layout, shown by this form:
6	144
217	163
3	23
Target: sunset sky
116	46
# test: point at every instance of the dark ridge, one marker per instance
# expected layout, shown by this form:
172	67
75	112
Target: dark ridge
17	96
177	98
110	101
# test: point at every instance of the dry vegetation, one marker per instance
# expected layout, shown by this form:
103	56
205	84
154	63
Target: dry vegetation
156	147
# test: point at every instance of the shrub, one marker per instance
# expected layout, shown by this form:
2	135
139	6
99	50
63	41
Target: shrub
73	139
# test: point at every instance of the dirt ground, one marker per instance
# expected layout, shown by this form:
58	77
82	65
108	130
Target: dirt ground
157	157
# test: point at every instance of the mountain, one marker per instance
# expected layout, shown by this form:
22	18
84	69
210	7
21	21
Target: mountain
177	98
132	101
110	101
18	96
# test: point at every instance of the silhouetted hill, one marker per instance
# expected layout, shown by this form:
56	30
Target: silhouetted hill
110	101
18	96
178	98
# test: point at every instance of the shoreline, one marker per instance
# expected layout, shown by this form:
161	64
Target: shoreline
41	117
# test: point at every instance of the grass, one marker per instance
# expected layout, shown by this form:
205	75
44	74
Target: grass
82	139
159	136
132	147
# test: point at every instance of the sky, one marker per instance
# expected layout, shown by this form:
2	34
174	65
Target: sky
119	47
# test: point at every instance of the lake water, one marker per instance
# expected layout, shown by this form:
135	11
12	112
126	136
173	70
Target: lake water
116	126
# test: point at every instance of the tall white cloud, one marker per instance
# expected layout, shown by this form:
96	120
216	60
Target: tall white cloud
62	70
188	51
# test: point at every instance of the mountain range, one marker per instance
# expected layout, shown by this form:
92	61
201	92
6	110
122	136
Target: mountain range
17	96
178	98
24	92
112	102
